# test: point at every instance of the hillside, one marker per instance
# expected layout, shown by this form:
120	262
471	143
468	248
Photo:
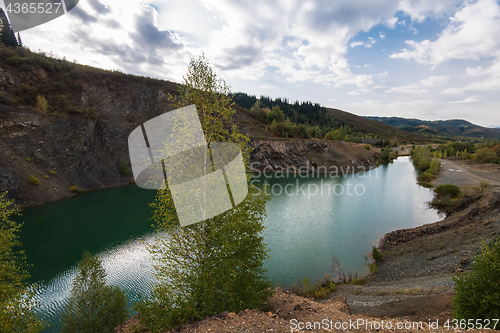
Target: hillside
382	130
446	129
65	126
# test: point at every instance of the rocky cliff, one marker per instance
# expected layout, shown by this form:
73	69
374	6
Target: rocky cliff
79	141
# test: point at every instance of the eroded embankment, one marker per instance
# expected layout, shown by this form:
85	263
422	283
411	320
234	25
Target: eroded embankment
310	155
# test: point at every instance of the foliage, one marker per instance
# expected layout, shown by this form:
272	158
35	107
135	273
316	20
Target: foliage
52	172
41	104
215	265
484	155
386	154
376	254
34	180
465	155
367	147
276	114
17	305
7	36
478	292
74	188
446	198
93	306
124	170
28	159
452	191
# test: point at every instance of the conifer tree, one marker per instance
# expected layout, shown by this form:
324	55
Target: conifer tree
7	35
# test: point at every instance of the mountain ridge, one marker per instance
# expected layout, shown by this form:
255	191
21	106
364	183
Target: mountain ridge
447	129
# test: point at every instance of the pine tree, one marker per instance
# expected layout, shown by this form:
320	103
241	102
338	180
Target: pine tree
7	35
93	306
215	265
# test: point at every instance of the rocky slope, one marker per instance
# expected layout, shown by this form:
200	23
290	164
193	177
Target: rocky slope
80	141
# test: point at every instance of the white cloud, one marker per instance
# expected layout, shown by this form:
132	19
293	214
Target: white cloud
354	44
471	99
421	86
473	33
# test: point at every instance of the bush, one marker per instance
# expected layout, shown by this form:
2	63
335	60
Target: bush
368	147
52	172
376	254
41	104
123	167
331	286
484	155
426	177
74	188
478	292
93	306
446	198
28	159
34	180
449	190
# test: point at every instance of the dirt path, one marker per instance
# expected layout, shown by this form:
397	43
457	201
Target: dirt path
464	174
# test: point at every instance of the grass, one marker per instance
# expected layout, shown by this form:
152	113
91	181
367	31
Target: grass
34	180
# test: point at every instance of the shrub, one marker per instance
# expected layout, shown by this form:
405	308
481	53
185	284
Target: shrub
52	172
373	268
478	292
314	163
452	191
46	177
426	177
93	306
376	254
368	147
74	188
331	286
123	167
465	155
28	159
484	155
41	104
320	293
446	198
34	180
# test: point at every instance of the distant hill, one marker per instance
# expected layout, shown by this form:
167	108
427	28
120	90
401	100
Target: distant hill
382	130
446	129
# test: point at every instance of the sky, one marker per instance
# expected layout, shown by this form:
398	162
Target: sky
406	58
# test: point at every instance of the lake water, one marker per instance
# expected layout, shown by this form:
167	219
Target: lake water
311	220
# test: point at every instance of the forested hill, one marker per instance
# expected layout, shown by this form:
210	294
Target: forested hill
313	120
445	129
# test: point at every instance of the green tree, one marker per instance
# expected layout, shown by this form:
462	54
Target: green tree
478	292
17	303
7	35
93	306
215	265
276	114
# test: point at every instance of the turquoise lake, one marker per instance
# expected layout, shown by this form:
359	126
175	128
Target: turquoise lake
320	220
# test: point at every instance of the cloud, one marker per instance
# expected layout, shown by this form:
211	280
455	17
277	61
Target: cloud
99	7
471	99
354	44
473	33
421	86
84	17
